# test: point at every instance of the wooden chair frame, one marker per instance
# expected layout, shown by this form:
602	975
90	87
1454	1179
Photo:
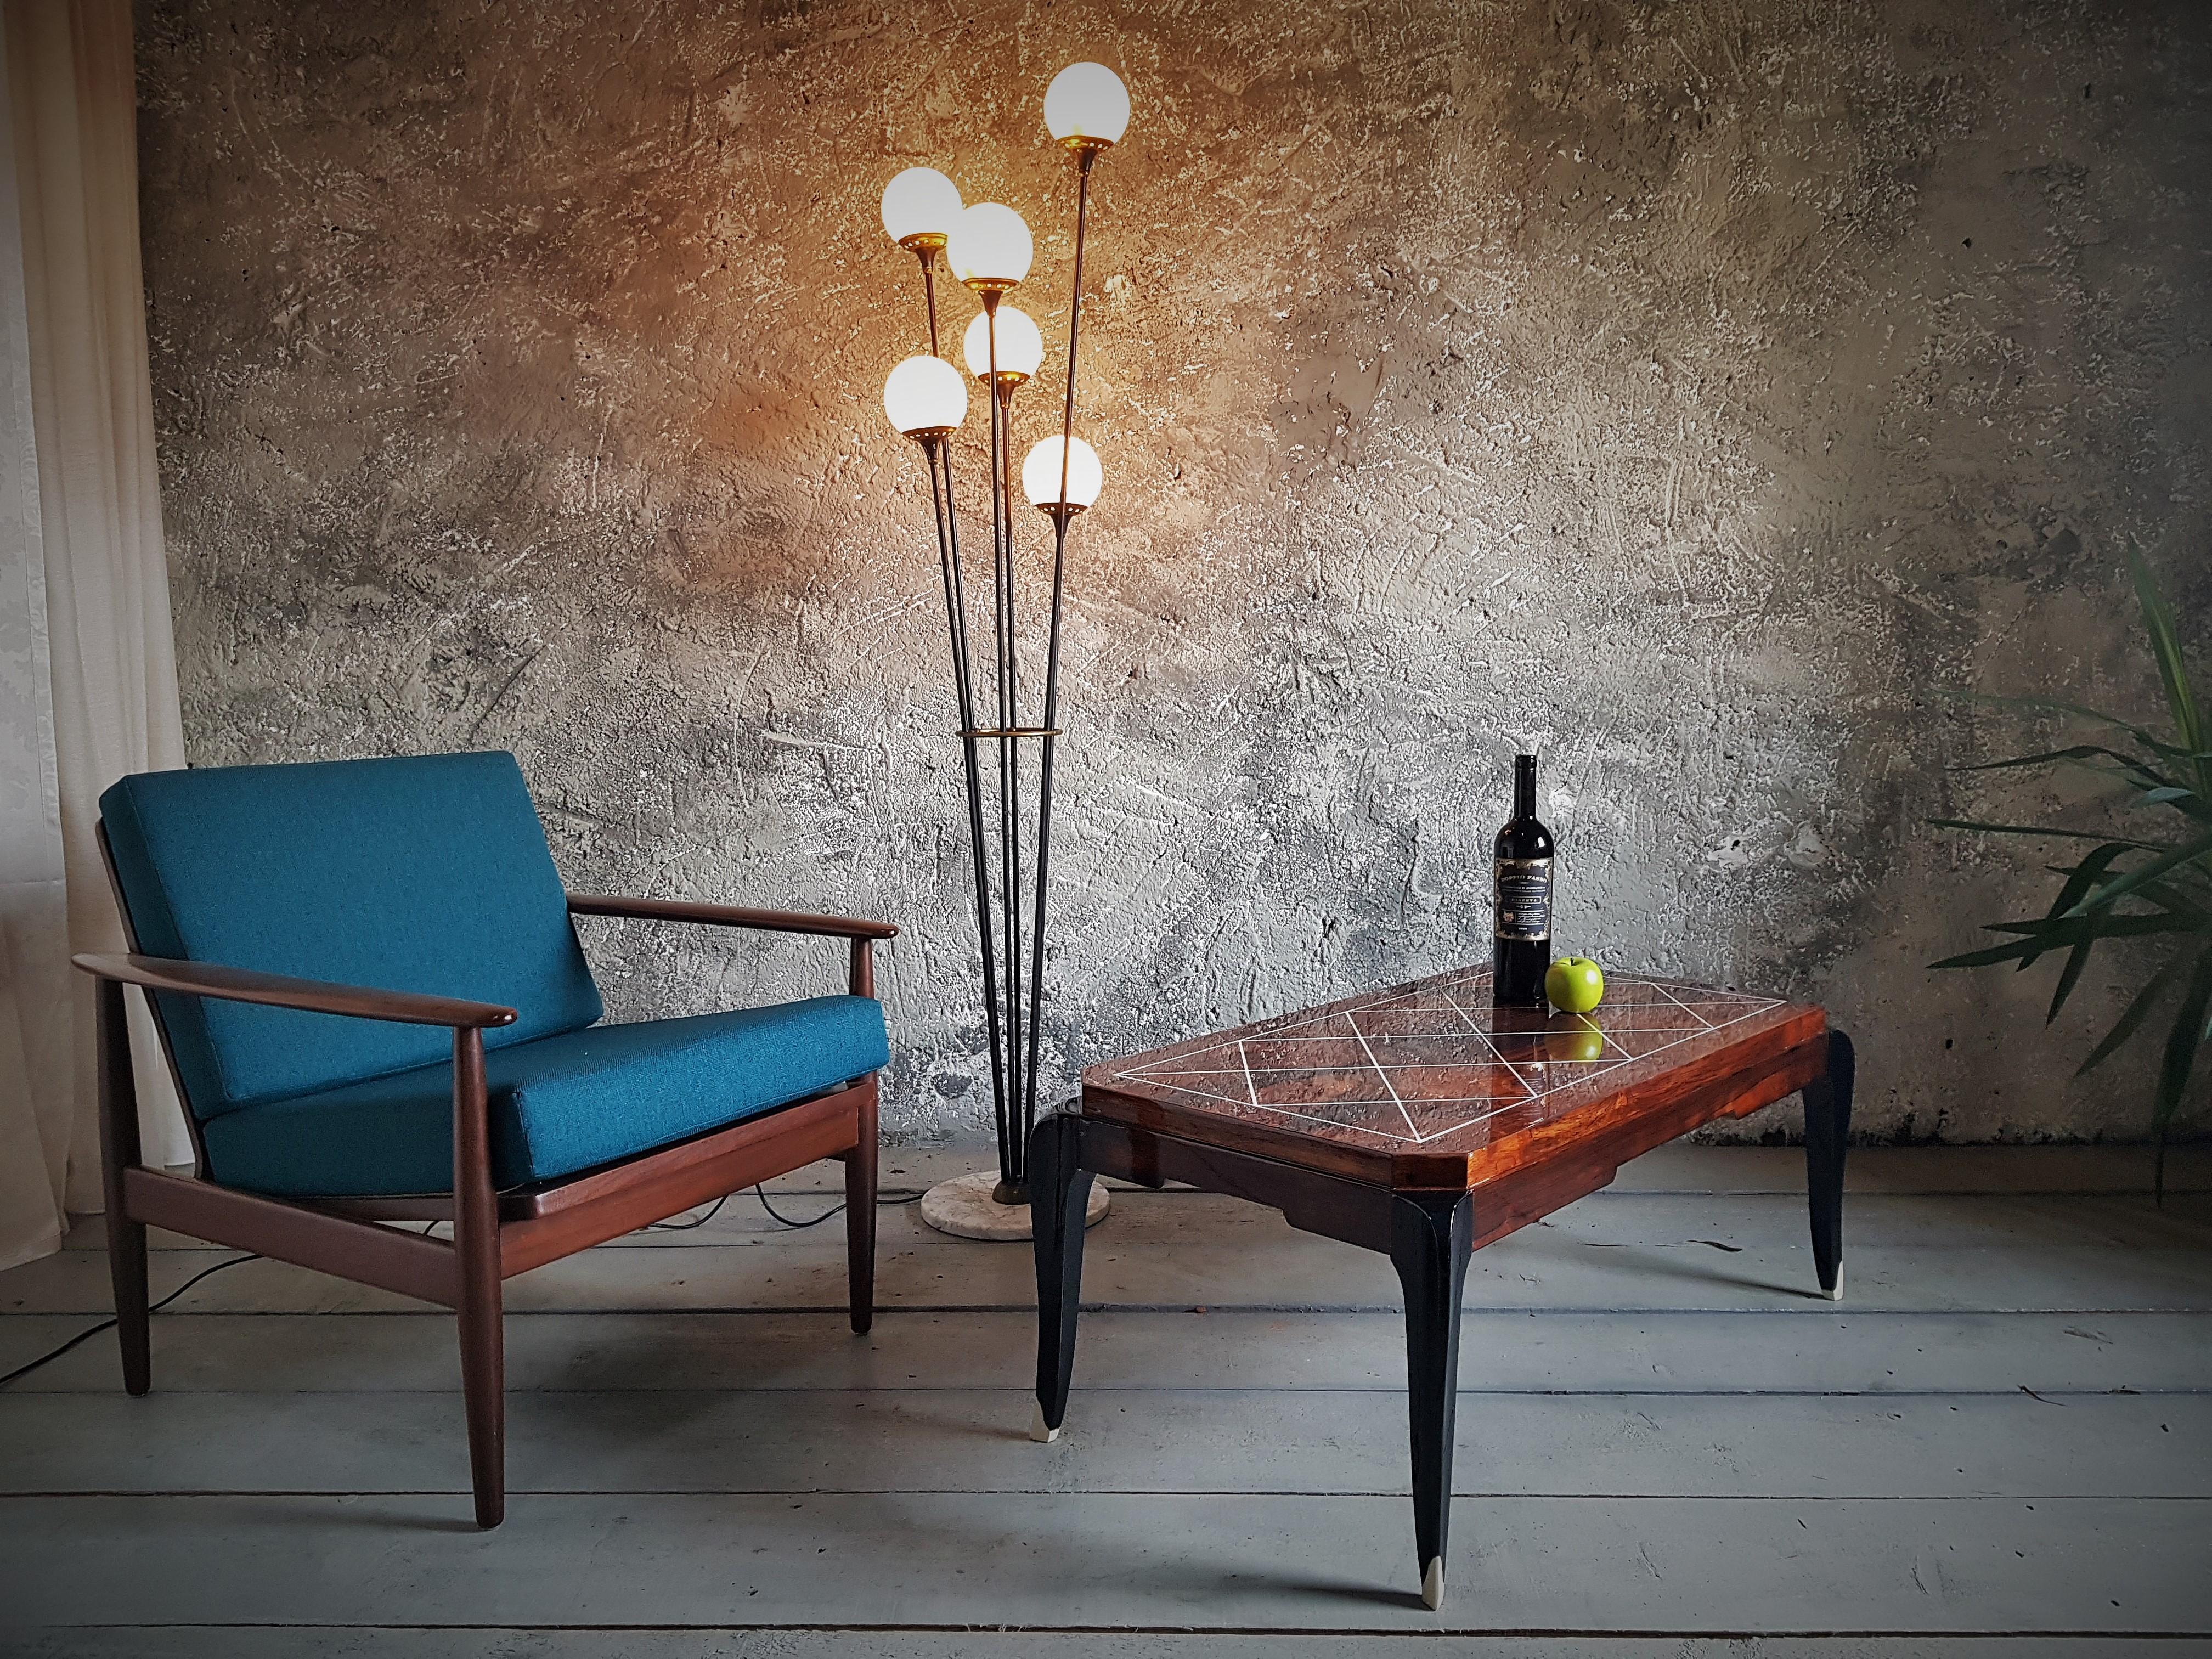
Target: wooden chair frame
496	1234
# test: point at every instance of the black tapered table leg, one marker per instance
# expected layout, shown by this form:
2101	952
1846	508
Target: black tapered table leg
1827	1131
1431	1236
1059	1192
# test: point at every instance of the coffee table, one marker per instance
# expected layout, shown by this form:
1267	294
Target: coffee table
1422	1122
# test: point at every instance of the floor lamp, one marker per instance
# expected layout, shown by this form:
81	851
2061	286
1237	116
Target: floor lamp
987	249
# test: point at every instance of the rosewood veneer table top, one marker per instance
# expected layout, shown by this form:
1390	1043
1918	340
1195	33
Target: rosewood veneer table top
1427	1084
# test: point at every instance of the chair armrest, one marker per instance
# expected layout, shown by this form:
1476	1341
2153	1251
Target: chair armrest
206	978
727	915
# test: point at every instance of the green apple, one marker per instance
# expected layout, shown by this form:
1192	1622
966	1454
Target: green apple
1575	984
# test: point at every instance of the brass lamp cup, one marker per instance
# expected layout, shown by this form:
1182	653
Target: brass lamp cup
926	435
1005	380
927	243
1084	145
1060	512
990	289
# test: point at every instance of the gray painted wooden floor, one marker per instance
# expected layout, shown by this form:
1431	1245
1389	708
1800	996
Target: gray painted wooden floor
2001	1445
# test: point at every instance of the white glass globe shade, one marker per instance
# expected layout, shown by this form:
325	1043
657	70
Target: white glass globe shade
924	395
1086	104
920	203
1040	474
989	247
1021	347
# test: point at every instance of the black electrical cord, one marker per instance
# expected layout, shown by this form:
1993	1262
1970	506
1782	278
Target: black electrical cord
838	1209
109	1324
686	1226
814	1221
84	1336
835	1209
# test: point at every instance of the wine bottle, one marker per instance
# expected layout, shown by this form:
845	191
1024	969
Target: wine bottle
1523	916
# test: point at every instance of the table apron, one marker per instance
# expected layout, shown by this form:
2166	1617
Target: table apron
1580	1158
1311	1201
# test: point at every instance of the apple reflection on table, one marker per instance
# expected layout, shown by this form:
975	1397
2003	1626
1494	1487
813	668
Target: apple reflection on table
1534	1037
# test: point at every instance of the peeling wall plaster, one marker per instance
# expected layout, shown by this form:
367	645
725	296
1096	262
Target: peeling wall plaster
1692	390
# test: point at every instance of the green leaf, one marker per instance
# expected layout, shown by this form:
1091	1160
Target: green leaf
2079	881
2058	932
2187	802
2166	647
2082	753
2069	977
2159	893
2086	874
2032	830
2044	757
2120	886
2181	1043
2060	706
2064	935
2132	1016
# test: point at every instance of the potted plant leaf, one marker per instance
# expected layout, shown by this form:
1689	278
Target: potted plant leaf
2154	885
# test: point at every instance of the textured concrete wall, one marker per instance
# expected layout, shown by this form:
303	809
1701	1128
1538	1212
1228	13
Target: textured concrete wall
1691	390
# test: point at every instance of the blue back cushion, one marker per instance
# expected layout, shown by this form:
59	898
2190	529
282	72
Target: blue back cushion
427	873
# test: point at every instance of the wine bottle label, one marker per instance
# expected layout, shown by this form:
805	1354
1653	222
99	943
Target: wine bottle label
1524	898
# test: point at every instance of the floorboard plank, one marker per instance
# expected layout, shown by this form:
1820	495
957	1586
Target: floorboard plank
1680	1168
1648	1251
1308	1440
1830	1352
1628	1566
291	1642
1940	1219
234	1642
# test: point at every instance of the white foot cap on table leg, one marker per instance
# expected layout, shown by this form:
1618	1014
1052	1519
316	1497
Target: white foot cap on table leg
1037	1429
1836	1295
1432	1584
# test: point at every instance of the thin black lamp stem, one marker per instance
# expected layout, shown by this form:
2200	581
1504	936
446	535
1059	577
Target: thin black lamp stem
1074	315
1012	1148
1026	1086
938	453
1019	1151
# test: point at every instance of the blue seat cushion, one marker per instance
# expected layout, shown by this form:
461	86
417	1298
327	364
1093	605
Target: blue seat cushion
422	873
559	1105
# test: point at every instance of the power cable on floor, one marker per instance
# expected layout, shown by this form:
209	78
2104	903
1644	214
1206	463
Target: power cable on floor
882	1203
686	1226
109	1324
25	1368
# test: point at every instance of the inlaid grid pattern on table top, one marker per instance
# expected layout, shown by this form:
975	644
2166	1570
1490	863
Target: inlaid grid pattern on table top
1414	1065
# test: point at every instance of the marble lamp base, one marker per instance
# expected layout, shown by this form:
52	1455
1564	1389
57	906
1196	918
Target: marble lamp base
963	1206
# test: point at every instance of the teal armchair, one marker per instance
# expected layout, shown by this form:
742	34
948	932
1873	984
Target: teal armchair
367	983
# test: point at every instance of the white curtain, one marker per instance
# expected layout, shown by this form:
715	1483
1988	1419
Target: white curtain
88	664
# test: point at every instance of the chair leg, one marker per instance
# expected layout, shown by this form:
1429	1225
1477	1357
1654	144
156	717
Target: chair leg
126	1268
483	1389
861	1215
475	1243
118	1151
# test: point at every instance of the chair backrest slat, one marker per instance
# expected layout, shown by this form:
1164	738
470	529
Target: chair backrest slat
426	874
